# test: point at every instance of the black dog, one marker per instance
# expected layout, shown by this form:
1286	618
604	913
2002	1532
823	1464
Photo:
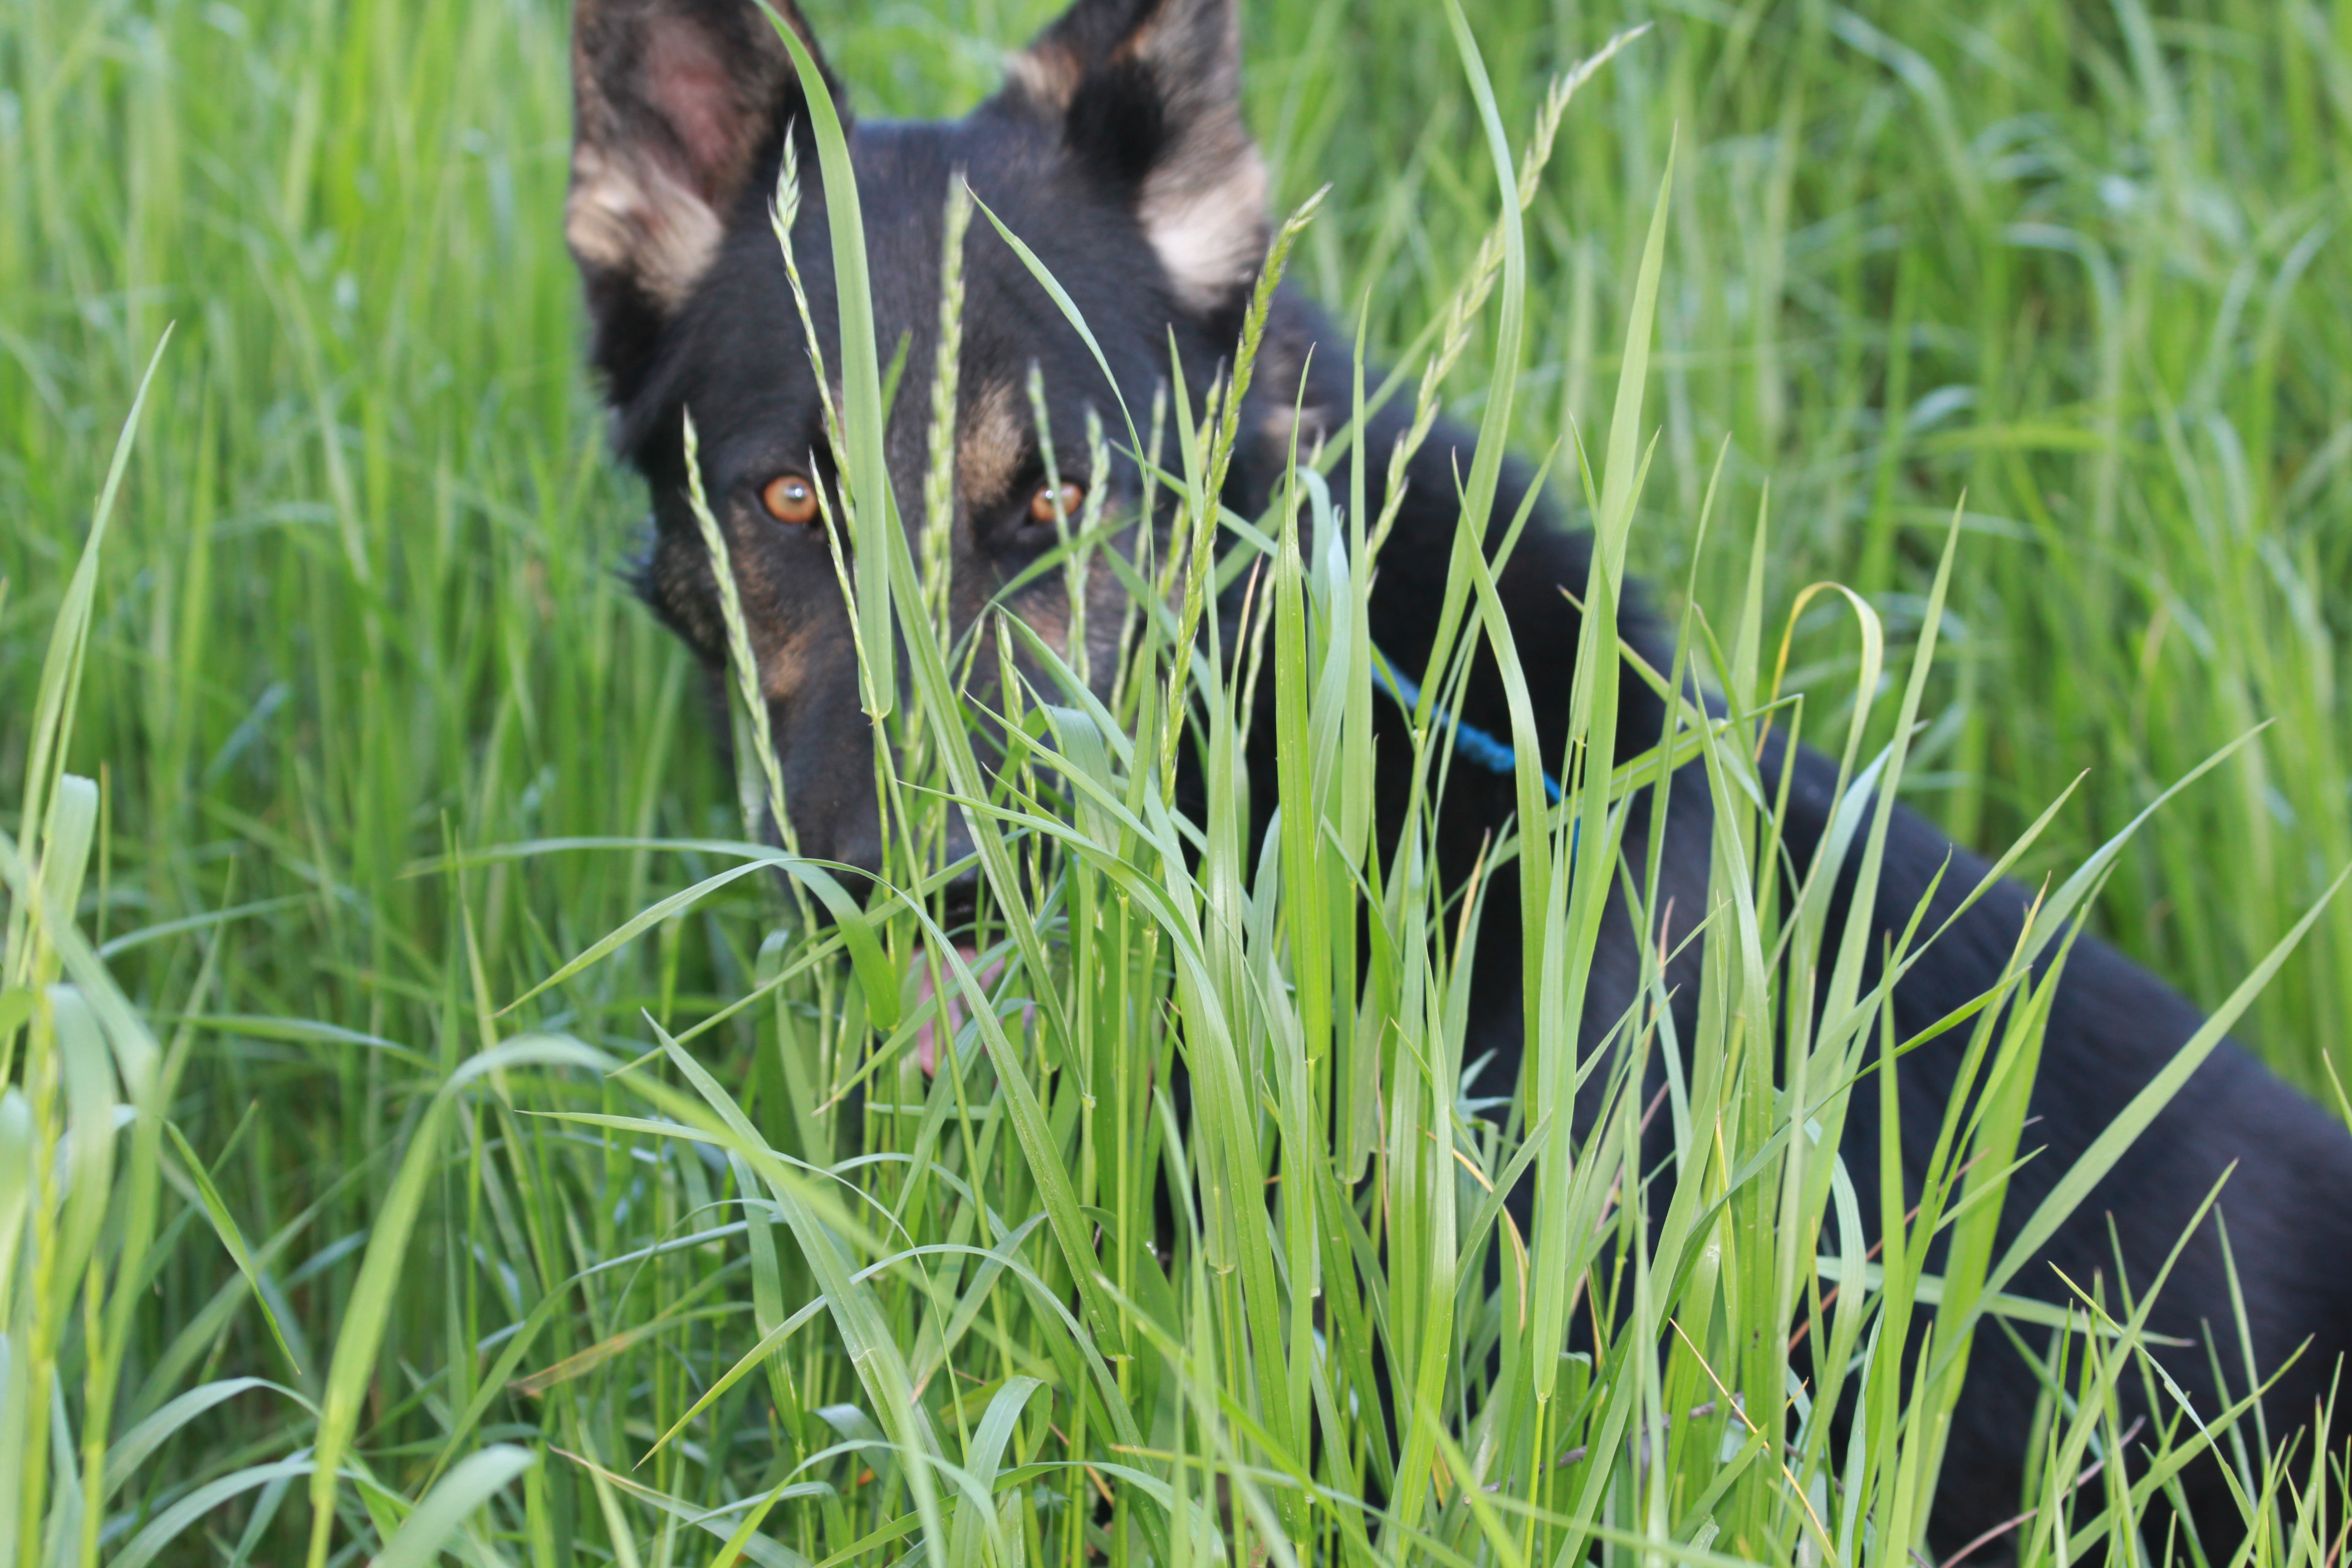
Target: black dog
1117	149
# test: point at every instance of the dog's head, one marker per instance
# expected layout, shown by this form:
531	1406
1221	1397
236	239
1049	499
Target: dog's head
1114	150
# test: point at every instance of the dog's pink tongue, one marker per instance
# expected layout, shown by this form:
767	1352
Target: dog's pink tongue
926	1038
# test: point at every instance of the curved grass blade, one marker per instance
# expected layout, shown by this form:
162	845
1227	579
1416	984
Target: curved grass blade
451	1502
976	1520
131	1449
369	1309
873	967
54	700
225	1226
166	1526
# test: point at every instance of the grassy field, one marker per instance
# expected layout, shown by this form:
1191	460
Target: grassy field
357	621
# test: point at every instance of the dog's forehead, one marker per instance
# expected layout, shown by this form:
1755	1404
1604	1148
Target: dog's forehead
722	355
905	170
1086	238
1019	178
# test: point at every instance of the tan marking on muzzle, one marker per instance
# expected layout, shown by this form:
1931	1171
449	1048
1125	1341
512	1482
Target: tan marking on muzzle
1106	607
1046	610
783	668
780	641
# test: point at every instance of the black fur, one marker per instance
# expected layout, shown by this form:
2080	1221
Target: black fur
1121	94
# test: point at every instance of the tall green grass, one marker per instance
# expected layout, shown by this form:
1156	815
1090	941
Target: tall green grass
478	1192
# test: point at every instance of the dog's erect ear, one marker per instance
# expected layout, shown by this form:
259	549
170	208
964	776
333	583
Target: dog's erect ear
673	103
1148	93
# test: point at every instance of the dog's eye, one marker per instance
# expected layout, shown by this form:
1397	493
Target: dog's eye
1070	498
790	498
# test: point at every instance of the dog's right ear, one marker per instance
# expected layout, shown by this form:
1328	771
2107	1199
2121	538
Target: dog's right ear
675	105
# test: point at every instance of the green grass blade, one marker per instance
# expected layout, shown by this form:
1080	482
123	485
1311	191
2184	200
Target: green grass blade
352	1366
427	1532
159	1532
54	699
131	1449
225	1226
862	413
976	1522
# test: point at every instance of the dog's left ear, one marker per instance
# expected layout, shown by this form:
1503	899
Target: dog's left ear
1147	93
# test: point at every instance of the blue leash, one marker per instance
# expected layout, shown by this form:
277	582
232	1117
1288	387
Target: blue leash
1470	743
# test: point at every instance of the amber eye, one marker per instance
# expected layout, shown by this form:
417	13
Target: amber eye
1072	495
790	498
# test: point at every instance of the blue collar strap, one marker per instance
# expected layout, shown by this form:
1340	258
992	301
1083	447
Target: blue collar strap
1470	743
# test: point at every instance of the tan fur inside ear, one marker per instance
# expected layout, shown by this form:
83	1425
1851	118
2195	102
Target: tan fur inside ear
632	215
1204	206
1208	223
